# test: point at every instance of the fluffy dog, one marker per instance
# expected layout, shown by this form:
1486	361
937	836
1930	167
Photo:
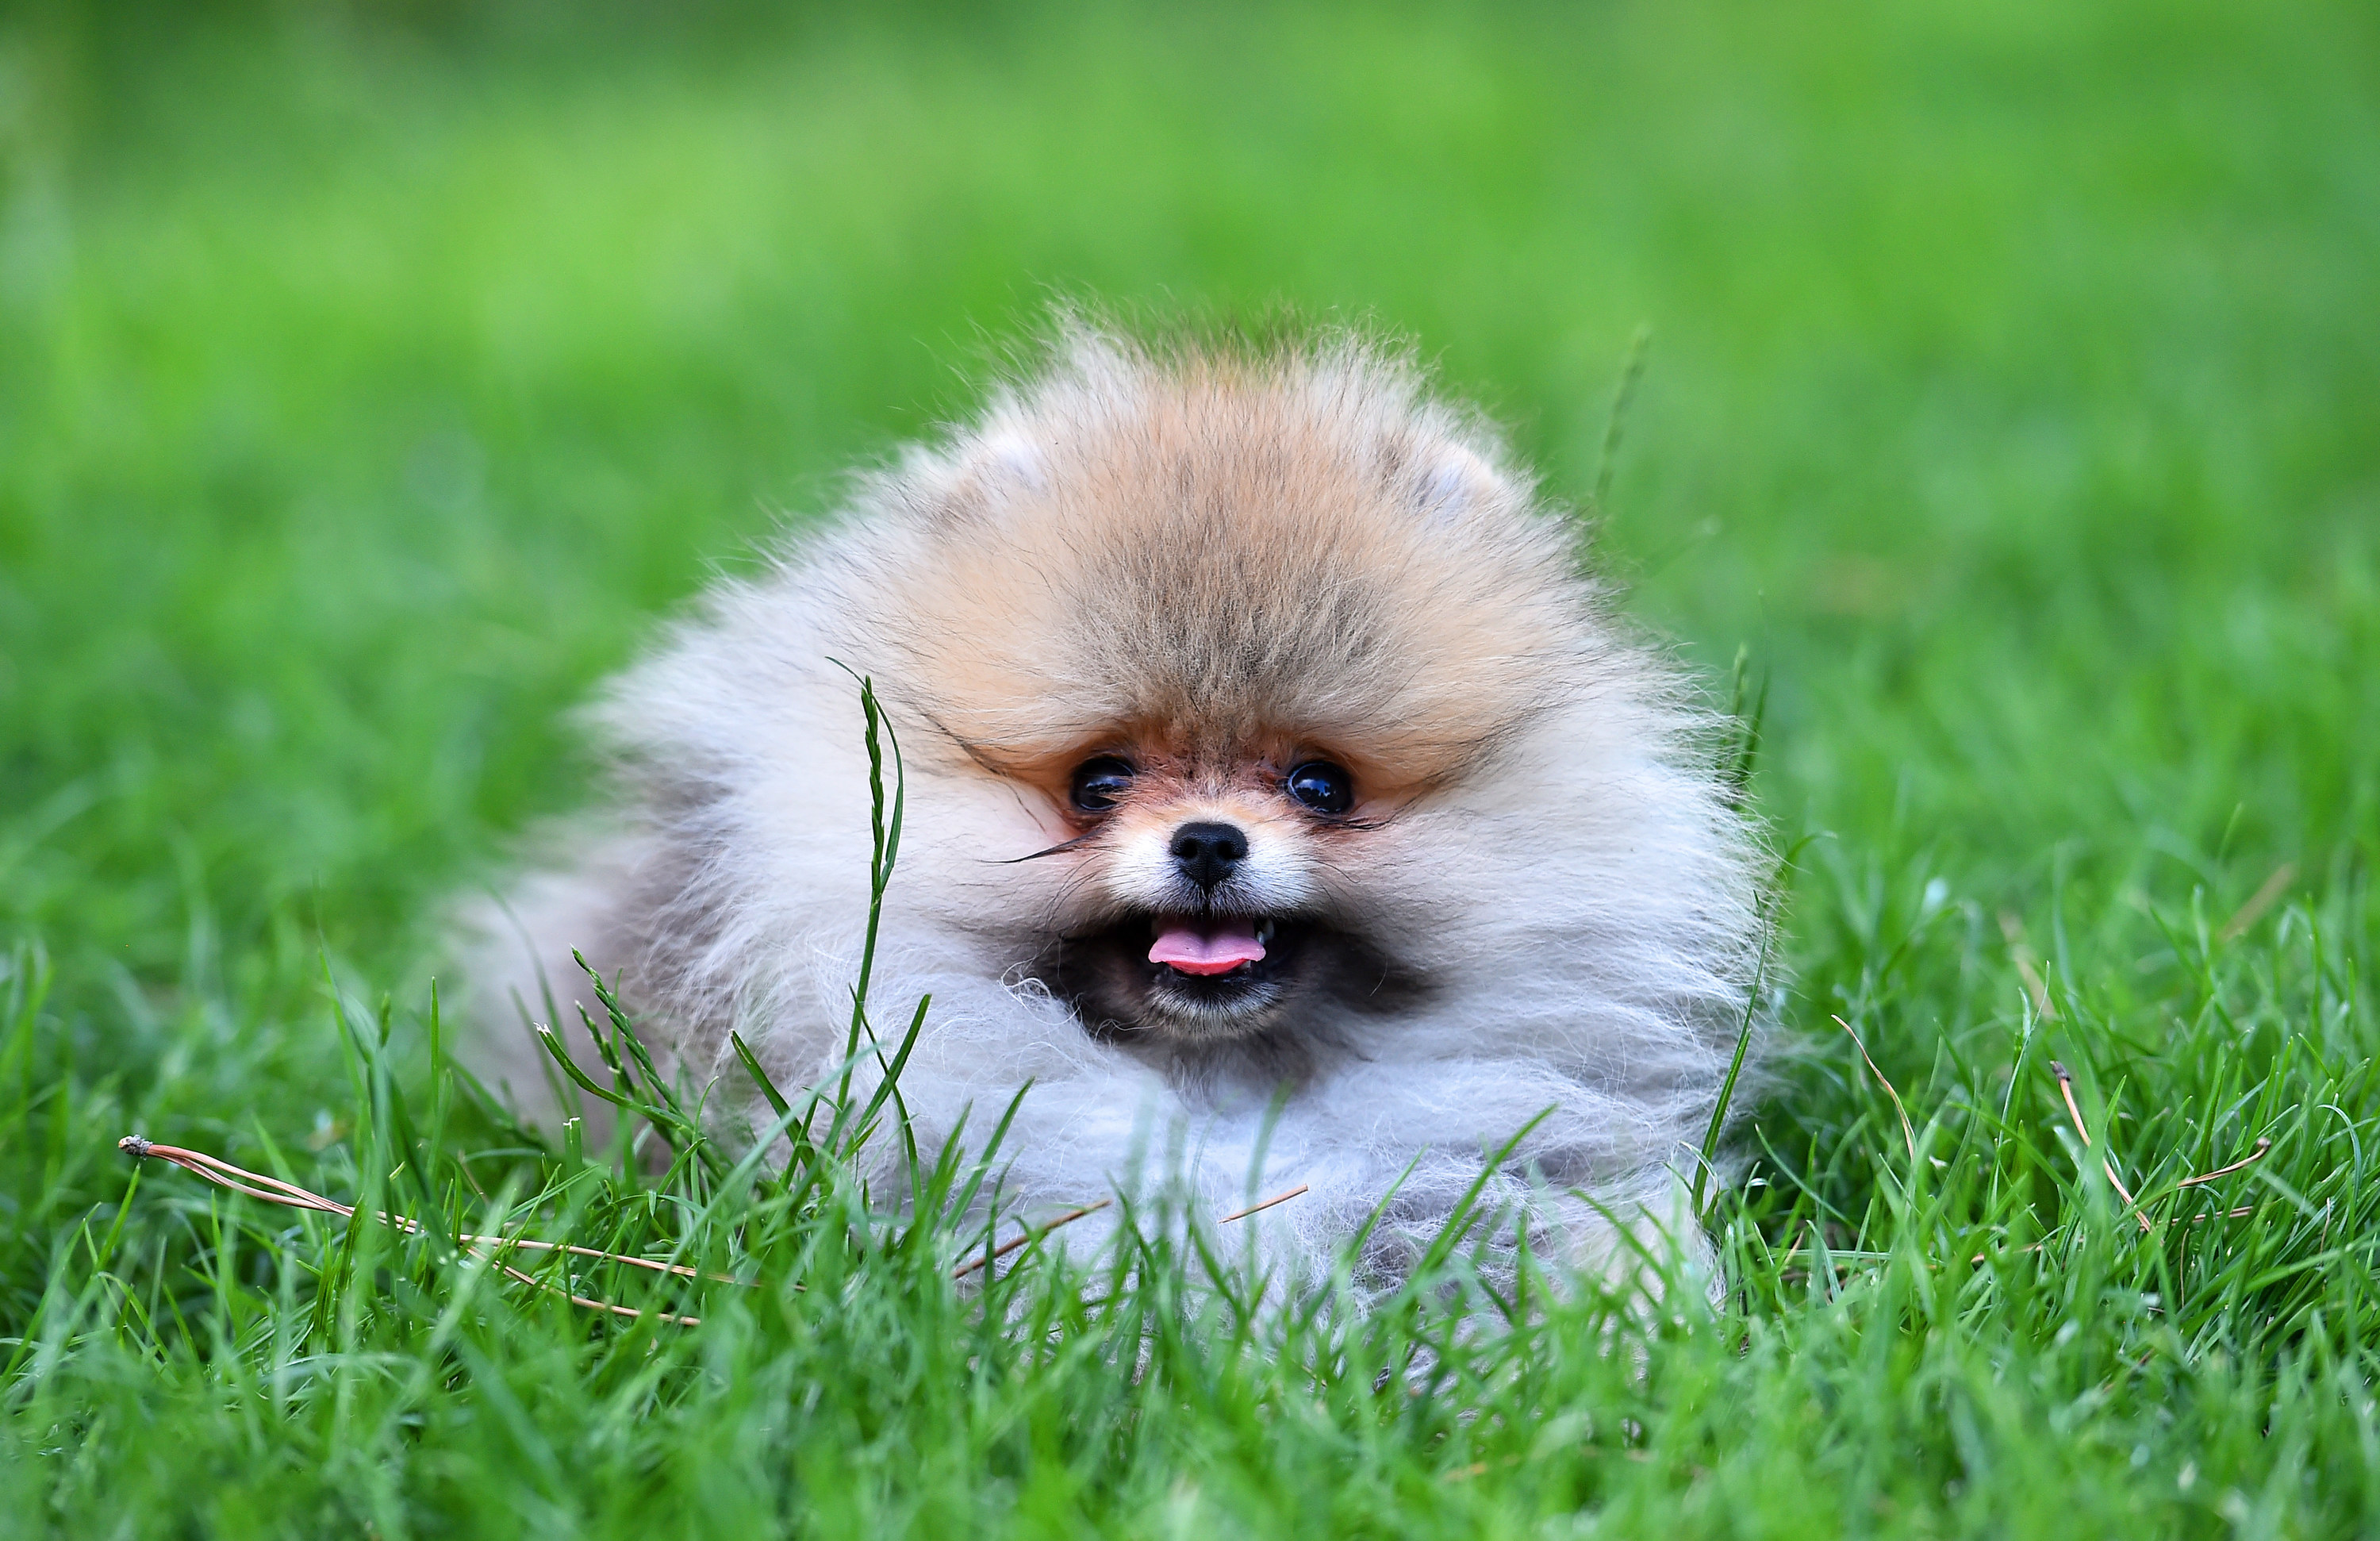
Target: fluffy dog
1284	805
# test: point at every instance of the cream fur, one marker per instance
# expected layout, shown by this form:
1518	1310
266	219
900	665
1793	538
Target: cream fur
1204	551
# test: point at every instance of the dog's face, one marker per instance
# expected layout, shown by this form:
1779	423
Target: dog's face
1222	647
1194	879
1209	893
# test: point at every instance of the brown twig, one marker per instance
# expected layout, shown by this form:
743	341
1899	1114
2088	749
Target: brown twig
973	1264
1907	1133
1258	1208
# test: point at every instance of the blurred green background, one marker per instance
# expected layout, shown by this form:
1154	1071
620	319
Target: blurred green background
372	376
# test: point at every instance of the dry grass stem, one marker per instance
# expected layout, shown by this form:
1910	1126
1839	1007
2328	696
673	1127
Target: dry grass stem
2244	1162
2264	899
273	1190
2066	1089
2028	966
1907	1132
2073	1111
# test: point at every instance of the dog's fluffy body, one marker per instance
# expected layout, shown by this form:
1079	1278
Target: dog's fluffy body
1207	566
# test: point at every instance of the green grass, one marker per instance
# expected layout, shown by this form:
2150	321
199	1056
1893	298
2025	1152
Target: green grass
371	379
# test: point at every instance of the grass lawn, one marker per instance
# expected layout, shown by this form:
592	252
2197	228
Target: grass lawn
372	377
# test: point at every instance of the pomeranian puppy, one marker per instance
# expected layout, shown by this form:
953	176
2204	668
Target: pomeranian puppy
1284	806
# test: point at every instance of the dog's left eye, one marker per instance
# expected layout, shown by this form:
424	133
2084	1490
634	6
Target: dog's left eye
1322	786
1100	782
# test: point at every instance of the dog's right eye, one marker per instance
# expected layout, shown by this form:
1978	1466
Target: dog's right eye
1100	782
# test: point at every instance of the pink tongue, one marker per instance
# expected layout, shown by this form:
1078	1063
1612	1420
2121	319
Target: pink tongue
1221	949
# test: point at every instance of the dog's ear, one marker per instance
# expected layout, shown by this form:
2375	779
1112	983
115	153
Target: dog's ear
977	473
1454	480
1005	457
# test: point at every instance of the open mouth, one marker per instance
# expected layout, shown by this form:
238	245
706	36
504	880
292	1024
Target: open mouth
1199	976
1209	947
1220	971
1184	975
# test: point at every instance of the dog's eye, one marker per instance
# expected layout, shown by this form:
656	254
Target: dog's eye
1100	782
1322	786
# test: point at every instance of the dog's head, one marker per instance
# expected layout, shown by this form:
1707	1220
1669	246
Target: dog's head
1240	642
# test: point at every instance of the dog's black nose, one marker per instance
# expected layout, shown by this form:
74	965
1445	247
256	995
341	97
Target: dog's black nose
1206	852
